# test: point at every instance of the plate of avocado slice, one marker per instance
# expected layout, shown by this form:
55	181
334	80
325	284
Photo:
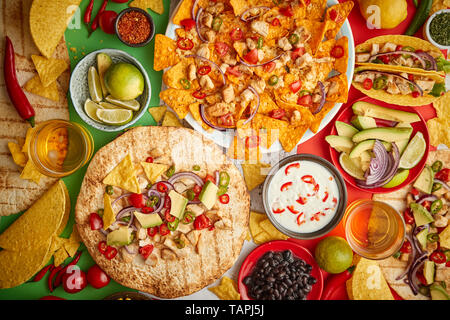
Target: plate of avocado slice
378	147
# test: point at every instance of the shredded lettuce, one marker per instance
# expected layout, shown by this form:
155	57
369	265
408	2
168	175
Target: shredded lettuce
438	89
443	65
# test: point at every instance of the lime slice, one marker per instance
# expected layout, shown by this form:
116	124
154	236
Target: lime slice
95	87
90	107
128	104
114	116
398	179
414	152
107	105
350	166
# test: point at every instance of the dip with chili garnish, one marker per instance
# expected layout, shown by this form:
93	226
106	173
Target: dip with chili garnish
134	27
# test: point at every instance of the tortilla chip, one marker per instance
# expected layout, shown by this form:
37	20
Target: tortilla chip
171	120
343	10
227	290
318	117
273	232
19	157
179	100
73	243
316	29
27	140
254	223
59	256
154	170
239	6
441	106
30	172
109	217
165	52
35	86
183	12
178	72
340	64
38	224
124	176
157	112
195	112
266	104
444	237
267	128
438	130
342	93
314	9
66	215
49	69
255	173
155	5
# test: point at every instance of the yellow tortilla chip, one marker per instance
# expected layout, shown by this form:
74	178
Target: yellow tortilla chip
178	72
291	137
340	12
267	128
170	120
48	69
38	224
340	64
157	113
342	92
438	130
262	237
318	117
441	106
314	8
19	157
35	86
274	234
124	176
66	215
254	223
30	172
109	217
316	29
27	140
248	237
154	170
179	100
73	243
195	112
239	6
185	10
59	256
165	52
155	5
227	290
255	173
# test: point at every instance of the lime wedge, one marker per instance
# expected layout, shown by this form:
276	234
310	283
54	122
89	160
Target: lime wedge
414	152
90	107
398	179
350	166
107	105
128	104
95	87
114	116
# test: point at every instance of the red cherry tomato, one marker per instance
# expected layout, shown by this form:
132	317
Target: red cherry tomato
277	113
295	86
443	175
305	100
427	205
236	34
297	52
74	280
202	222
97	278
406	247
152	231
188	24
337	52
287	11
95	221
147	210
161	187
368	84
269	67
333	14
102	247
275	22
107	21
224	199
409	218
146	251
210	178
168	217
149	160
197	189
221	48
110	253
252	56
385	59
137	200
234	71
438	257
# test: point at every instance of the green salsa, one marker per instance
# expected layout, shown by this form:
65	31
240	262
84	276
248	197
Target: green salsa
440	28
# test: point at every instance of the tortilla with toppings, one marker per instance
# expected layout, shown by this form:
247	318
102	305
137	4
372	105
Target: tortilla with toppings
189	257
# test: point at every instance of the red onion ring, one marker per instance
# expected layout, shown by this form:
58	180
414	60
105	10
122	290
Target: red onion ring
429	58
385	123
224	79
411	280
242	61
198	25
189	175
398	76
193	8
322	99
129	250
120	197
217	178
257	104
161	197
209	123
426	197
417	56
253	17
124	211
411	259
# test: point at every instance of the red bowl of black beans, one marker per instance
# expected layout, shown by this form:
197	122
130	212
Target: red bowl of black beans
280	270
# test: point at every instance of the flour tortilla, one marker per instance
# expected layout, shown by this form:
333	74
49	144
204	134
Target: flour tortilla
17	194
185	148
392	267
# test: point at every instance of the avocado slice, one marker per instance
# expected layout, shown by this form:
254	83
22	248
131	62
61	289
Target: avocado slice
422	238
345	130
103	63
429	271
178	204
425	180
383	133
438	292
208	195
401	144
367	145
148	220
362	122
120	237
362	108
340	143
421	215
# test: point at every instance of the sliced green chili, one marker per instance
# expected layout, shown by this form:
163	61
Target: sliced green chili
433	237
293	38
196	168
185	83
221	191
437	166
273	80
190	194
436	206
188	217
260	43
180	243
172	226
100	212
436	187
109	190
380	83
224	179
217	23
170	171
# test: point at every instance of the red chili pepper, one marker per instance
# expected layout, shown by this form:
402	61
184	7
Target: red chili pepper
185	44
204	70
110	253
308	179
53	273
94	24
277	211
275	22
438	257
408	216
15	92
326	196
291	209
224	199
59	276
293	165
43	272
298	219
88	12
335	282
302	200
199	94
285	186
149	160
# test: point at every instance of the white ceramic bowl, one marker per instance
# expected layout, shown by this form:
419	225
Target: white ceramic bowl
79	88
427	30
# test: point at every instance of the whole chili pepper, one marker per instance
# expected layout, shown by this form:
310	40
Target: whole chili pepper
88	12
61	273
94	24
52	276
15	92
335	282
43	272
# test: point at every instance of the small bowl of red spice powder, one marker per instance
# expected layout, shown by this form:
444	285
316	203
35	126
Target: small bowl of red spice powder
135	27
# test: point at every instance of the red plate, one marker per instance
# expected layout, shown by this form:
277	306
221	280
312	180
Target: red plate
345	116
280	245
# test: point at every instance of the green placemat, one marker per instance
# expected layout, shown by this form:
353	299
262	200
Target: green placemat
79	45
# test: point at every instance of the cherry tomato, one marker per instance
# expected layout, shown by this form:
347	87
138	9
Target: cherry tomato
202	222
297	52
236	34
210	178
204	70
163	229
224	199
97	278
333	14
146	251
234	71
168	217
110	253
161	187
149	160
74	280
295	86
167	203
399	47
277	113
137	200
102	247
385	59
406	247
252	141
427	205
197	189
438	257
337	52
107	21
95	221
188	24
368	84
251	56
415	192
226	120
275	22
221	48
287	11
269	67
443	175
152	231
305	100
147	210
409	218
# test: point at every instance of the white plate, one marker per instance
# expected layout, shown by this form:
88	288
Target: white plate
224	138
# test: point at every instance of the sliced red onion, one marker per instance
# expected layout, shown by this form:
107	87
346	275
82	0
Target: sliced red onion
378	164
444	184
415	55
124	211
130	250
198	25
194	202
385	123
426	197
411	259
217	178
103	231
257	104
120	197
193	8
397	76
242	61
412	274
262	9
322	99
428	57
206	120
224	79
190	175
